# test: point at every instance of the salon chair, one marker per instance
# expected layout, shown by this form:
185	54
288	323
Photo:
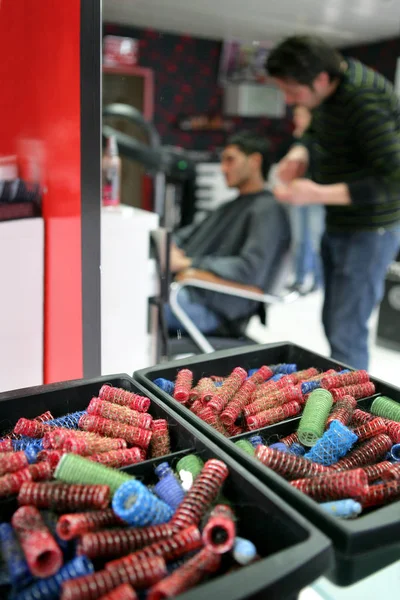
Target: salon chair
231	334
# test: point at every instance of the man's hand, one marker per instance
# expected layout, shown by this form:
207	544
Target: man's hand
304	191
293	165
178	261
299	192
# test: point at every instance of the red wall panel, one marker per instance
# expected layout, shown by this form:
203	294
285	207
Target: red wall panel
40	100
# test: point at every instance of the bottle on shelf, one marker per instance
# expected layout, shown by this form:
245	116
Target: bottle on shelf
111	170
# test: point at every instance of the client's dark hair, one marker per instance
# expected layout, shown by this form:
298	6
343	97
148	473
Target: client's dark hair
251	143
302	58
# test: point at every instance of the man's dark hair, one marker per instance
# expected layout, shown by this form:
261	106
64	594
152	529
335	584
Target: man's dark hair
302	58
251	143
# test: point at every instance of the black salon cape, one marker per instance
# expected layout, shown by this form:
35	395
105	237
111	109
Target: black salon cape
242	241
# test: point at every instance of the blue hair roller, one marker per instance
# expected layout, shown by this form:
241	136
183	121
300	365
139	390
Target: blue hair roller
50	588
14	557
165	385
137	506
168	488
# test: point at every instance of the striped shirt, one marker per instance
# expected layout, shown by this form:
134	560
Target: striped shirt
354	138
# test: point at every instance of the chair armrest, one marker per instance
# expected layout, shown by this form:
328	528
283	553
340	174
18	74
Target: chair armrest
209	281
199	275
205	280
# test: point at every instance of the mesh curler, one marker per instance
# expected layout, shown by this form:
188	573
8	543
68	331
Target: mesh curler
79	470
136	436
123	414
362	390
228	390
273	399
62	496
92	587
168	489
387	408
69	421
27	444
333	445
336	486
370	429
260	375
209	416
12	461
124	398
360	417
220	530
368	453
183	385
43	555
136	505
13	557
50	588
32	428
186	576
381	493
274	415
345	379
203	492
118	458
72	525
160	441
12	482
342	411
6	445
288	465
204	390
377	471
112	543
169	549
51	456
313	420
393	431
92	445
238	402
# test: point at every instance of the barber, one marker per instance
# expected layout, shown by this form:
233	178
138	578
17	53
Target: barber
355	140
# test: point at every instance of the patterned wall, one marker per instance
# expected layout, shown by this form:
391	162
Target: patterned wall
186	70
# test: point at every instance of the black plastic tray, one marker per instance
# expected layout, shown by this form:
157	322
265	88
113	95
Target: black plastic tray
362	546
295	552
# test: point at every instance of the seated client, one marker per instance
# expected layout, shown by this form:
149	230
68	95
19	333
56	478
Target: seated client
243	241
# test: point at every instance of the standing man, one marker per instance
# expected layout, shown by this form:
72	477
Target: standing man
355	141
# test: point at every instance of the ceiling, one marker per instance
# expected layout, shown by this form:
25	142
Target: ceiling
342	22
